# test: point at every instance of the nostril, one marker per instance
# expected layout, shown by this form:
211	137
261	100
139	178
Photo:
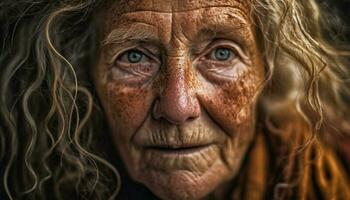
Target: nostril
176	113
191	118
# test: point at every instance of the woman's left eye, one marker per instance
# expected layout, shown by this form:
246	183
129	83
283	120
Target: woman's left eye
221	54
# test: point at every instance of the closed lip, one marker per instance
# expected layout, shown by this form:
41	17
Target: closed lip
178	149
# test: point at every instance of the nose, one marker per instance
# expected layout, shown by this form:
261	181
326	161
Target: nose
177	103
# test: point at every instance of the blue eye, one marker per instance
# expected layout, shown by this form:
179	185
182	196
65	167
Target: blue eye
222	54
135	56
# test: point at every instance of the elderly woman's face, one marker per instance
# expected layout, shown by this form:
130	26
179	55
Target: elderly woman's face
178	80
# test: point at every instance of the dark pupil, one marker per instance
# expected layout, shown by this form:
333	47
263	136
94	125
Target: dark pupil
135	56
222	54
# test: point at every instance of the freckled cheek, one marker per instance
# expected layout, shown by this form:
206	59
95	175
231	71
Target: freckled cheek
126	108
231	104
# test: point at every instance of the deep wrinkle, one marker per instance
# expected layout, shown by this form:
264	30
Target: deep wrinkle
133	28
184	104
169	6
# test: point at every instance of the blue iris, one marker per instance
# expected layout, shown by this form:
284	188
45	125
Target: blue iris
135	56
222	54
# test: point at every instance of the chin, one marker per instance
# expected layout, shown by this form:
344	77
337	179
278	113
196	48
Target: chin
184	184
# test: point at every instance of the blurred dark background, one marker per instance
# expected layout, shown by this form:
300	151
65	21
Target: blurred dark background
340	8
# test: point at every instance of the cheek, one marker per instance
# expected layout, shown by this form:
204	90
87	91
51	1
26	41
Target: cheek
230	105
126	108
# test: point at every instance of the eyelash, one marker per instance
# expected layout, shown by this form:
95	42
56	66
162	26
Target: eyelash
212	48
125	54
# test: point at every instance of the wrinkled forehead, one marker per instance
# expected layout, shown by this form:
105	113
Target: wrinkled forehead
171	6
165	20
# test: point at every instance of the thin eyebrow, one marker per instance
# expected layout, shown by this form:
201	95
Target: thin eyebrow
137	32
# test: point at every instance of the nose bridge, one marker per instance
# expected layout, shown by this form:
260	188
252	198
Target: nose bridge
177	102
176	89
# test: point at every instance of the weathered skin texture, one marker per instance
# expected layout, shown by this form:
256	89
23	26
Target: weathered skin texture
181	119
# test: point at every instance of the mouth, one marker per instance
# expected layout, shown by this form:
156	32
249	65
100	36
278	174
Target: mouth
178	150
189	157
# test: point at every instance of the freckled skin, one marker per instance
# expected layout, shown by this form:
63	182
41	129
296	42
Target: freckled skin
189	99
